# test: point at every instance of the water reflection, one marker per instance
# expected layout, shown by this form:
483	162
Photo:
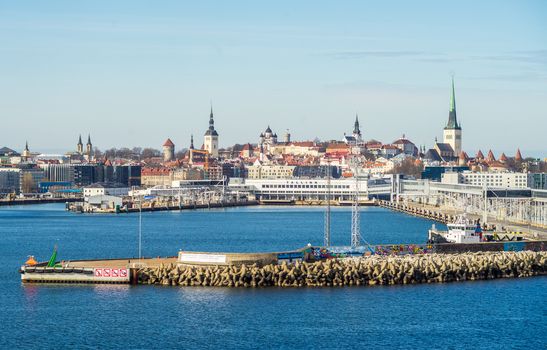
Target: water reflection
112	290
203	295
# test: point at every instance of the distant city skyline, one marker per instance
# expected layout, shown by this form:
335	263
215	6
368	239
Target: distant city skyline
136	73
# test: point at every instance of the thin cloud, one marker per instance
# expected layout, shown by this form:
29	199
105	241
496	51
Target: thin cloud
522	56
529	56
525	76
375	53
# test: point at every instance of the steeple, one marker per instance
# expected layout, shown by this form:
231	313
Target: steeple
210	141
26	152
89	147
452	120
356	130
211	131
80	145
192	141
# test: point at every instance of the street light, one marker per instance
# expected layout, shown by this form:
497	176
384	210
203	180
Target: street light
140	228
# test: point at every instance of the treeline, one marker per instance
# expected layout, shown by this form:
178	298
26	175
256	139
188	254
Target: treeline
135	153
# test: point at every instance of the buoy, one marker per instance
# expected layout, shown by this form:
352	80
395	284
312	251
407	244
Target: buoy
31	261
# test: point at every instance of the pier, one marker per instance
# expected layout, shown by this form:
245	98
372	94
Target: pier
165	206
368	271
356	271
446	215
28	201
366	265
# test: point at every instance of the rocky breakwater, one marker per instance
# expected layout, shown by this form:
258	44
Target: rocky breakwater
373	270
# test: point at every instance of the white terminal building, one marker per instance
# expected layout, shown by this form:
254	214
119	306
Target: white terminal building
488	179
295	189
106	188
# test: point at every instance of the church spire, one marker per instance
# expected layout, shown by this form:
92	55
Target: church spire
89	139
452	120
80	145
26	146
356	130
192	141
211	119
211	130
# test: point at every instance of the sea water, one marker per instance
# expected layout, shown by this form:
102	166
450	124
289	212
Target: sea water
500	314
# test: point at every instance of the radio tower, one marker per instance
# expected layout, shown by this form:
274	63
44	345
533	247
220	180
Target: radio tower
326	240
355	219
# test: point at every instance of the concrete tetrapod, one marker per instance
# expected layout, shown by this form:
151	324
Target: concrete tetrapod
373	270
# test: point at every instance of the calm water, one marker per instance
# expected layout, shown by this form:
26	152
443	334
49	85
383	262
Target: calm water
493	314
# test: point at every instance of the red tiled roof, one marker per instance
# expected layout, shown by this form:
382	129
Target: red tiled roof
373	145
302	143
518	156
503	157
389	147
337	146
490	156
168	143
155	171
402	141
496	164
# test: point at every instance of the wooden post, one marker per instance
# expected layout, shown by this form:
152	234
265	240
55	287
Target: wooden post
134	279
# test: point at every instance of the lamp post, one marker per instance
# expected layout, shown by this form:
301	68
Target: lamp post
140	228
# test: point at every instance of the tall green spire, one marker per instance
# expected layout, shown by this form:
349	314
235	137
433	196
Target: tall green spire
452	119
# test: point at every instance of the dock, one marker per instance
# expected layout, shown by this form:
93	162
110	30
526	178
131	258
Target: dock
29	201
449	215
132	270
108	271
80	208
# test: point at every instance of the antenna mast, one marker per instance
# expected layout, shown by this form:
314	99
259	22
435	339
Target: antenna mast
326	239
355	217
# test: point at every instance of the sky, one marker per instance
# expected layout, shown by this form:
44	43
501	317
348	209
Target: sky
133	73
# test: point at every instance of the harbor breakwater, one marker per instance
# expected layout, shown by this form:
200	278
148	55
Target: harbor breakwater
372	270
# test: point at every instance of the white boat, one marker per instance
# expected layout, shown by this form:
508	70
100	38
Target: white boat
460	231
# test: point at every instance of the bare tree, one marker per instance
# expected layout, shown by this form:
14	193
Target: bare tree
97	153
410	167
28	185
150	153
180	153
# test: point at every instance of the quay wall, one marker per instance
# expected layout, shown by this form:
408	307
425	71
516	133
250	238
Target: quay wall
28	201
316	202
79	207
440	215
451	248
426	213
193	206
372	270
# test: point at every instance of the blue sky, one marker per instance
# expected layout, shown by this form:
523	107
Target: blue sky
133	73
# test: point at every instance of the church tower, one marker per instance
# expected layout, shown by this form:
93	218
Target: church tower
210	141
89	146
80	146
356	129
453	132
26	152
